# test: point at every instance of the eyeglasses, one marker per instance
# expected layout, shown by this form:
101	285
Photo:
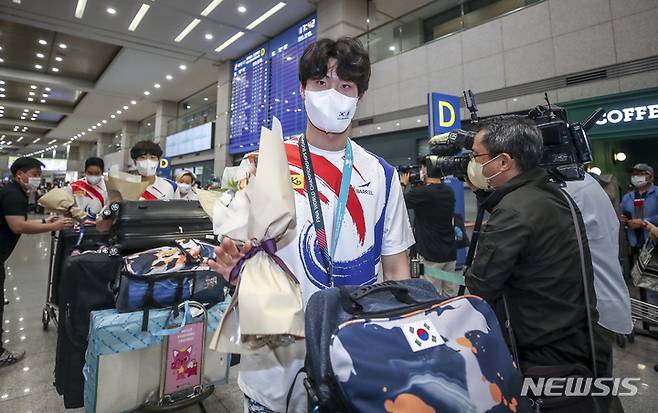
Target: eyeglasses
472	155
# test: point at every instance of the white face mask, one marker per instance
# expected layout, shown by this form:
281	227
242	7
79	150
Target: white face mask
329	110
638	180
147	167
184	188
33	182
476	174
94	180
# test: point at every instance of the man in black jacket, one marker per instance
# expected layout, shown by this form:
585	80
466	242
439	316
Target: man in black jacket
528	251
433	204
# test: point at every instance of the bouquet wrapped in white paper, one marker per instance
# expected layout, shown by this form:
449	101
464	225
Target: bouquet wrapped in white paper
266	309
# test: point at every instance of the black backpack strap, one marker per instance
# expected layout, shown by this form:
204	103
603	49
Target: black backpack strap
292	387
148	303
583	271
473	245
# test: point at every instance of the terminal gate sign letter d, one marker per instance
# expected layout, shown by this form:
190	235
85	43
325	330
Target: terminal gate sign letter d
444	113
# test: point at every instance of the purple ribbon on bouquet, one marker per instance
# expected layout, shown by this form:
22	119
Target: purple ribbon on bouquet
268	247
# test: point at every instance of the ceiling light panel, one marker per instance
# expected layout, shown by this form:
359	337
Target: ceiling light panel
138	17
187	30
229	41
210	7
266	15
80	8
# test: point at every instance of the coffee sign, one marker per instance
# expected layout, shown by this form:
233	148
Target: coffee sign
629	115
626	115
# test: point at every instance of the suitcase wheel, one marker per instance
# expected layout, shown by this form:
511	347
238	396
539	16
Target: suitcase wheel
45	319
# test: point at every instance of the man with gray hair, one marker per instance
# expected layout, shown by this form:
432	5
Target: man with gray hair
528	250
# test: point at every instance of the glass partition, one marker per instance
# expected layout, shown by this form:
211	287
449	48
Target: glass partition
192	118
432	21
115	144
195	110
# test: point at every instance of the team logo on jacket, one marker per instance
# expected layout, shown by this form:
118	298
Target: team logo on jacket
364	189
421	335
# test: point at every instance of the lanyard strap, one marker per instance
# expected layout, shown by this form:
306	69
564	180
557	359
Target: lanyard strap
316	206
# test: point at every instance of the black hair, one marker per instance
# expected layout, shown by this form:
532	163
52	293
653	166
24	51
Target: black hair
94	161
516	136
24	164
353	61
145	148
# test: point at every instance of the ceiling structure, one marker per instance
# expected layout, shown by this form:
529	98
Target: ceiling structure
109	61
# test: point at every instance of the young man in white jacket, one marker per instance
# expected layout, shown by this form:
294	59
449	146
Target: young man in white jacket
333	76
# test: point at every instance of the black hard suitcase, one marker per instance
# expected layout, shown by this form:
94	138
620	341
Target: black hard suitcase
140	225
84	287
67	241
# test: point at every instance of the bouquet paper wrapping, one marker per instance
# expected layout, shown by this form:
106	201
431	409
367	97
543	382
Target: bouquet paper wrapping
129	186
61	200
266	309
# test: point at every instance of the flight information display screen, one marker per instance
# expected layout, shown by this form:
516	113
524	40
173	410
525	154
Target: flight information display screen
249	100
265	84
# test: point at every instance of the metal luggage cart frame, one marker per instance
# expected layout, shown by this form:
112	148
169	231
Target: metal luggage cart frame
50	308
186	397
644	312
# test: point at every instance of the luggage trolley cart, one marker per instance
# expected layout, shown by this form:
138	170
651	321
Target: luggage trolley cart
647	313
183	349
50	308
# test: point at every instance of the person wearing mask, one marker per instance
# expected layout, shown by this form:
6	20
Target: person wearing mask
433	204
186	186
90	192
613	301
26	174
637	207
375	232
528	252
146	155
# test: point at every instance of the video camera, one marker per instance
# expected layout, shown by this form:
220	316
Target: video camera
566	148
413	171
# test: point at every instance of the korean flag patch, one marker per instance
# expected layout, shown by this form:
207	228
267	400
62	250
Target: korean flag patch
421	335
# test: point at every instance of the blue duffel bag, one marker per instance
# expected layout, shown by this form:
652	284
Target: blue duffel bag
400	346
165	276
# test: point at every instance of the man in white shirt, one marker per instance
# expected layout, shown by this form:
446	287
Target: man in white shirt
90	192
375	230
602	227
146	155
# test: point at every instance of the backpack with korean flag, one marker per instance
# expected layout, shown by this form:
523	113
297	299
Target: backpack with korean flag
401	347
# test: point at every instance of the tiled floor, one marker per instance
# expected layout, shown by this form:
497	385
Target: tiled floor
27	386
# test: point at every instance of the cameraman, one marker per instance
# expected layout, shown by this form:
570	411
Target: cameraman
433	203
528	251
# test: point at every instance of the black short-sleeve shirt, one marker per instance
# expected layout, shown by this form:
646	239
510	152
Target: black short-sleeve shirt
13	201
433	207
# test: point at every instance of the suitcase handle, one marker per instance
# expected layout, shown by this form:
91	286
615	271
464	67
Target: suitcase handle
350	300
